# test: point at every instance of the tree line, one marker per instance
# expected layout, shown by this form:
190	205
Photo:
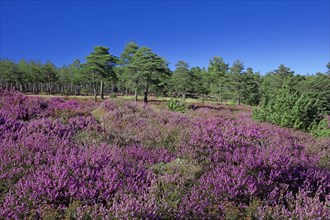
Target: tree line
140	71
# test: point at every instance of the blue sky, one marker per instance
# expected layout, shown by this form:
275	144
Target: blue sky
262	34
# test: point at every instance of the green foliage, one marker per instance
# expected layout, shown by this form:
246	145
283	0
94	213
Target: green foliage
112	96
72	74
274	81
175	105
99	67
199	84
140	71
235	83
100	63
231	102
306	111
147	69
290	109
318	87
280	75
218	77
321	129
126	74
182	79
250	91
8	70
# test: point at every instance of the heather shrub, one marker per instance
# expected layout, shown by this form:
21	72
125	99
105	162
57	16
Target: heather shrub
320	147
8	126
174	181
212	138
91	176
17	106
301	206
133	123
215	191
66	109
91	137
125	160
246	164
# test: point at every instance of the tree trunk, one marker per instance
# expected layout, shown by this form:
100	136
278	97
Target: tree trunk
220	92
75	90
71	88
136	90
135	94
126	91
95	95
239	96
49	88
33	88
101	90
145	99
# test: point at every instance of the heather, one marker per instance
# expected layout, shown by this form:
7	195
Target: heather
76	159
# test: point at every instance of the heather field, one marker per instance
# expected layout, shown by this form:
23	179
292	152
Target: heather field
78	159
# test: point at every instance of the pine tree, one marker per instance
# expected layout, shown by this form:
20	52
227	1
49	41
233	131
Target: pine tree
148	69
100	65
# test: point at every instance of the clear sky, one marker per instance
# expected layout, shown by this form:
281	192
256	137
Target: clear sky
262	34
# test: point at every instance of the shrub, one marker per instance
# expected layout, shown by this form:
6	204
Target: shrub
136	123
290	109
321	129
176	105
112	96
135	162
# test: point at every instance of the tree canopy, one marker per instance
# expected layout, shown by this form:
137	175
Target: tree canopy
282	96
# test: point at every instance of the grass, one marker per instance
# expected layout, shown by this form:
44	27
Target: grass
151	99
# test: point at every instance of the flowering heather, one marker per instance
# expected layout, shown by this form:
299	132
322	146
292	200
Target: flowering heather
72	159
17	106
132	123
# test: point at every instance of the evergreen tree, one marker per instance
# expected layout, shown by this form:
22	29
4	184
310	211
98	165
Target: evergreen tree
8	73
236	81
218	77
182	79
273	81
317	87
126	72
148	69
251	94
100	65
289	108
199	83
50	73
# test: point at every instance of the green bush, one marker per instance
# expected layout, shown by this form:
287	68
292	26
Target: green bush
289	108
176	105
112	96
321	129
